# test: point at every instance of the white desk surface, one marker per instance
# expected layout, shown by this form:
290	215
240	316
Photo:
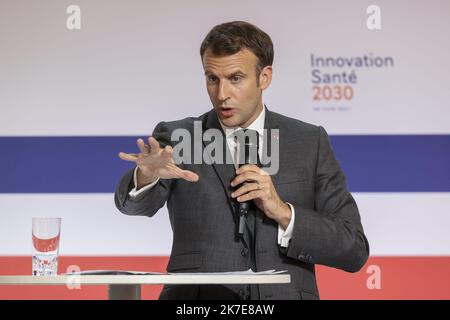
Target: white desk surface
145	279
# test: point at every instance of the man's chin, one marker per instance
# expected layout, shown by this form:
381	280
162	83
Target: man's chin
230	121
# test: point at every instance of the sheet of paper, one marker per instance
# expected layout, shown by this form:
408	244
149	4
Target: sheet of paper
113	272
245	272
126	272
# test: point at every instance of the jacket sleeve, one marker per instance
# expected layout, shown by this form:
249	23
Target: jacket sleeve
150	201
331	234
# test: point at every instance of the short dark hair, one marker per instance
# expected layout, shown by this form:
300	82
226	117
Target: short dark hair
231	37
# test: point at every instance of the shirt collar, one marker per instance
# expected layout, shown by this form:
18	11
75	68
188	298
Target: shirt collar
257	125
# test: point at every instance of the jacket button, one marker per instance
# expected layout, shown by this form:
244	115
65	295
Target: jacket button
247	292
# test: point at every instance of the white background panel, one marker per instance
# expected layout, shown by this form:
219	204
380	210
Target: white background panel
406	223
395	224
135	63
91	225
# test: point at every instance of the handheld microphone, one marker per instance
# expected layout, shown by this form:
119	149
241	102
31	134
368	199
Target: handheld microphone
250	153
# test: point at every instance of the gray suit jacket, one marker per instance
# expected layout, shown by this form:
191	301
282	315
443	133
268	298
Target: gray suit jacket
203	216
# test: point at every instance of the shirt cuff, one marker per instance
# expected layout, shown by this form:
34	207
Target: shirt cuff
135	192
284	236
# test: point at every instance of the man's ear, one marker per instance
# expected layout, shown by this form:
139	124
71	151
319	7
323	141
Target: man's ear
265	77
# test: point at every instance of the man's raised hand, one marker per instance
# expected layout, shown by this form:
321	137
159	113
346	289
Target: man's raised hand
154	161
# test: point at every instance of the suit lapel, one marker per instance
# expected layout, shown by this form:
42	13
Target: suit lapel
225	172
269	124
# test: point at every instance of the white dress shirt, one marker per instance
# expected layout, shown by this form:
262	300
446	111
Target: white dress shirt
258	125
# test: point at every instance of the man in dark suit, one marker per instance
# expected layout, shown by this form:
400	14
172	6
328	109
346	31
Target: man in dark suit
300	216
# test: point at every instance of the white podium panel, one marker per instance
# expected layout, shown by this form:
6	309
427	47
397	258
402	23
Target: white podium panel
128	287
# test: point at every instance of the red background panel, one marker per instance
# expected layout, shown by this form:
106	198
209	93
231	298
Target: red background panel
400	278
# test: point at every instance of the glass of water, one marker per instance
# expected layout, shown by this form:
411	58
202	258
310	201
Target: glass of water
45	234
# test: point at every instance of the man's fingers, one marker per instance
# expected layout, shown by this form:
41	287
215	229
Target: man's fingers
178	173
128	156
167	153
252	195
142	146
154	144
189	176
249	167
246	188
246	176
183	174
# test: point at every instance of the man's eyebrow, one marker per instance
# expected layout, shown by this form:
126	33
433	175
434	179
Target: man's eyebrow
234	73
237	73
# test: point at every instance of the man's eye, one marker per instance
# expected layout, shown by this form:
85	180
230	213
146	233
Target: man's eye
236	79
211	79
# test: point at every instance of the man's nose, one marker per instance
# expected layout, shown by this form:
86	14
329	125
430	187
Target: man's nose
222	93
